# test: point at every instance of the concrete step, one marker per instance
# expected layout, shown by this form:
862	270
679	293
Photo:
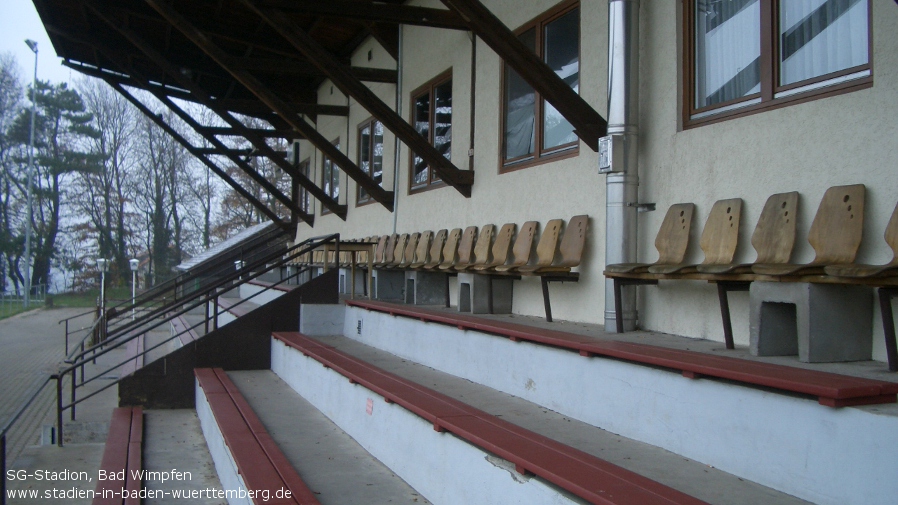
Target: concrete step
332	464
786	442
691	477
173	440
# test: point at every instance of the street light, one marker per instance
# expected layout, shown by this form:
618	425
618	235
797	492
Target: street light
134	263
33	46
103	267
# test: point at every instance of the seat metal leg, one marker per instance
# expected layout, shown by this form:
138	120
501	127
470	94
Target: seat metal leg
546	302
888	325
722	289
618	307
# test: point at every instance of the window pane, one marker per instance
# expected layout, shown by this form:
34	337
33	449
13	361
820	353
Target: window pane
520	102
727	50
364	156
377	158
819	37
442	121
561	48
335	175
304	203
328	188
422	124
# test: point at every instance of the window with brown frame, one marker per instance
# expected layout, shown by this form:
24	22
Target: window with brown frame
432	118
305	202
744	56
532	129
330	178
371	155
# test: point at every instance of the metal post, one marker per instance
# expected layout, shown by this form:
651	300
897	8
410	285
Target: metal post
74	379
3	469
58	409
623	183
33	45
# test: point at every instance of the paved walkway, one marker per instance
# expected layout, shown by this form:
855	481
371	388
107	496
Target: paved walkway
31	344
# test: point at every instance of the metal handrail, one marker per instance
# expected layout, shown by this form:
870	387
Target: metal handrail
243	275
39	384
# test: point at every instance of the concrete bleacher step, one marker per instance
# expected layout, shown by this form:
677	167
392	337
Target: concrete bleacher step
330	462
781	439
683	475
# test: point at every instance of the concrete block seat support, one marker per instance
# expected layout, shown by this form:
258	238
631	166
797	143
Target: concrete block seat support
582	474
821	323
122	456
259	462
832	390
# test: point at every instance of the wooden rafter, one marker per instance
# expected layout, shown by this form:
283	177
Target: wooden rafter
399	14
276	104
588	124
461	180
206	161
201	97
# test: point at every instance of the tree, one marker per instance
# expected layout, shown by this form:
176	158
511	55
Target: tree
103	197
10	104
62	132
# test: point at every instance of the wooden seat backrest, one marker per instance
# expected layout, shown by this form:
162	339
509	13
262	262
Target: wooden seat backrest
399	250
502	245
436	248
523	244
891	235
410	248
390	249
548	243
422	253
466	246
774	236
571	248
721	233
483	245
673	236
450	251
380	250
838	227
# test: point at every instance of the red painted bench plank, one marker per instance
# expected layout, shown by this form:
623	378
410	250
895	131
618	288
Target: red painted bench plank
831	389
123	452
260	462
578	472
183	329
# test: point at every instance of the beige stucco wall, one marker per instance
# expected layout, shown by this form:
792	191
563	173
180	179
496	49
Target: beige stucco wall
846	139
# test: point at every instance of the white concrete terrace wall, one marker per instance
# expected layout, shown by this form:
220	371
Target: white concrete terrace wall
442	467
225	465
845	139
825	455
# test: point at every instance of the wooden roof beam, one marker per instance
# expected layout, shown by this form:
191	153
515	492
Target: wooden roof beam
206	161
276	104
202	98
297	67
588	124
383	13
461	180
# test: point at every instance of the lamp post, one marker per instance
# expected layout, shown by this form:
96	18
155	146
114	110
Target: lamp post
33	46
102	266
134	263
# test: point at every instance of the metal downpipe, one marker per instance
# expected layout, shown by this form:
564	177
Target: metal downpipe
622	184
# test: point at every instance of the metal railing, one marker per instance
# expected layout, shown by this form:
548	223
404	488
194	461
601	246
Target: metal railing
35	391
206	298
11	303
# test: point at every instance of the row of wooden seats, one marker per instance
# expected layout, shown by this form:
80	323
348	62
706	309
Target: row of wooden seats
835	235
506	253
261	464
586	476
122	459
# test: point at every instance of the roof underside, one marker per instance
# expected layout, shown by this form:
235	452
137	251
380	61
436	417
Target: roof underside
86	41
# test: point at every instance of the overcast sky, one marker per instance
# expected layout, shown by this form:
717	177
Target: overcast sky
19	21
